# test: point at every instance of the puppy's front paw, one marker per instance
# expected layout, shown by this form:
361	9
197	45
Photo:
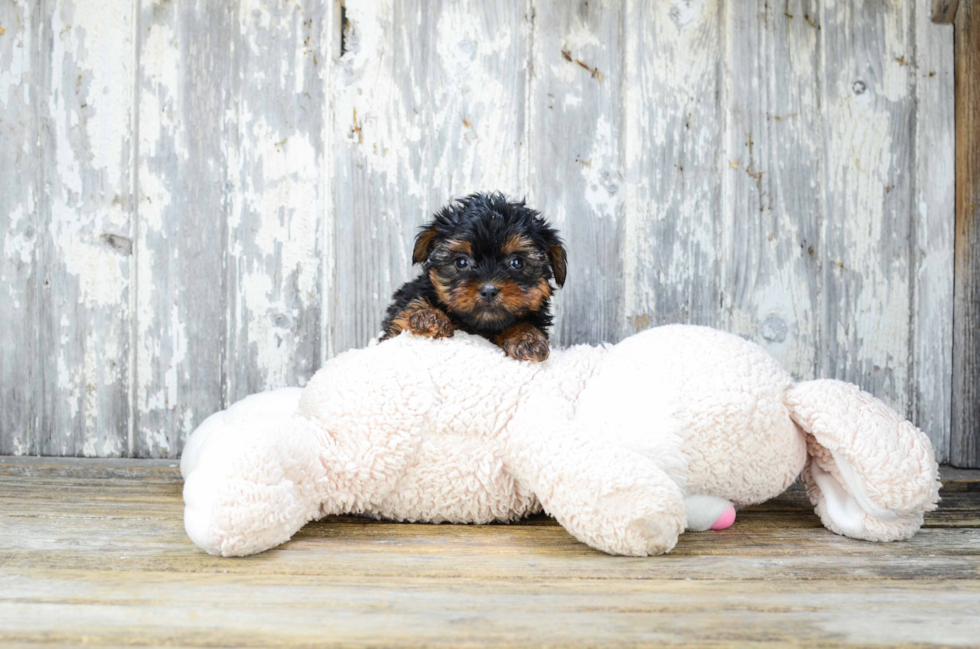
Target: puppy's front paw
524	342
430	322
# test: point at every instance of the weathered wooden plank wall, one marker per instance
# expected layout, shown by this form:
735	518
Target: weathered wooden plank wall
965	440
66	105
575	162
933	198
772	176
19	224
232	132
204	201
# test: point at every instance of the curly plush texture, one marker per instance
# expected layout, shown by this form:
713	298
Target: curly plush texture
626	445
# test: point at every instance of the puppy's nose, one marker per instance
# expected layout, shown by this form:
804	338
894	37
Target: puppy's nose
489	292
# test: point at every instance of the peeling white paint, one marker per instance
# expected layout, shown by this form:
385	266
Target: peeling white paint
82	219
376	133
771	169
285	204
275	214
178	334
934	236
101	273
474	64
16	246
17	49
670	152
868	198
686	34
158	112
103	32
90	396
68	385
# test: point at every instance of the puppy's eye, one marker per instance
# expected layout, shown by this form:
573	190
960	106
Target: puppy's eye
462	262
516	262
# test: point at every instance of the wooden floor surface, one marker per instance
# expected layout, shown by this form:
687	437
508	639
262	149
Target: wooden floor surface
96	554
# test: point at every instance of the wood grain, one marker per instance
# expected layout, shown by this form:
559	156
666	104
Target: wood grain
96	554
19	195
965	430
944	11
575	156
932	247
281	53
474	78
673	137
86	63
772	173
868	119
187	143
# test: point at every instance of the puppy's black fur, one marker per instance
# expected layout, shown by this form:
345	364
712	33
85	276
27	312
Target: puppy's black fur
487	265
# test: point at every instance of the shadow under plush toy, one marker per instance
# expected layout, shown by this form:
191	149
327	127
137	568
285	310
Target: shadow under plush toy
625	445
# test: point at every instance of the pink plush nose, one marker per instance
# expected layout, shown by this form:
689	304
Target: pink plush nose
725	520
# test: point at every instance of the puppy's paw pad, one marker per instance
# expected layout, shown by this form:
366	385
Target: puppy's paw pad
430	322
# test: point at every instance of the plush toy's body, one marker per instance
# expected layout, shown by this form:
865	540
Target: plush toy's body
626	445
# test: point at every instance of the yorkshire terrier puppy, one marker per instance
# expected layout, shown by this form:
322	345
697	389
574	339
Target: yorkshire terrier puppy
487	265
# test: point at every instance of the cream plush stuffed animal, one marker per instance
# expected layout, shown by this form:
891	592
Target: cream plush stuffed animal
626	445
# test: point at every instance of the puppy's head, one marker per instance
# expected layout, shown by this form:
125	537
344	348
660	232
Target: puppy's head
490	260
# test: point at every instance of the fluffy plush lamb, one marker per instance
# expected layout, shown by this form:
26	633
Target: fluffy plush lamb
626	445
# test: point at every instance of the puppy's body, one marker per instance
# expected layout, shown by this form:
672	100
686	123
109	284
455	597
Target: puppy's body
487	268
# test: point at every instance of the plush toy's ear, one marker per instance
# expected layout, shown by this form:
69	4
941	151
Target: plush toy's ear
425	240
871	474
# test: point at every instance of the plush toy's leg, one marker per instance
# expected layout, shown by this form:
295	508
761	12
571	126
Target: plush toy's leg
708	513
605	495
871	474
252	490
282	402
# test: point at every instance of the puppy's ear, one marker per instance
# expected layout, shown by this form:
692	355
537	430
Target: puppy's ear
557	256
425	240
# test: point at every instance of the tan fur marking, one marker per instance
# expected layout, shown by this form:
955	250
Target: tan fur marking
523	341
520	300
465	297
517	243
400	323
513	297
460	247
442	290
431	322
421	318
538	294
